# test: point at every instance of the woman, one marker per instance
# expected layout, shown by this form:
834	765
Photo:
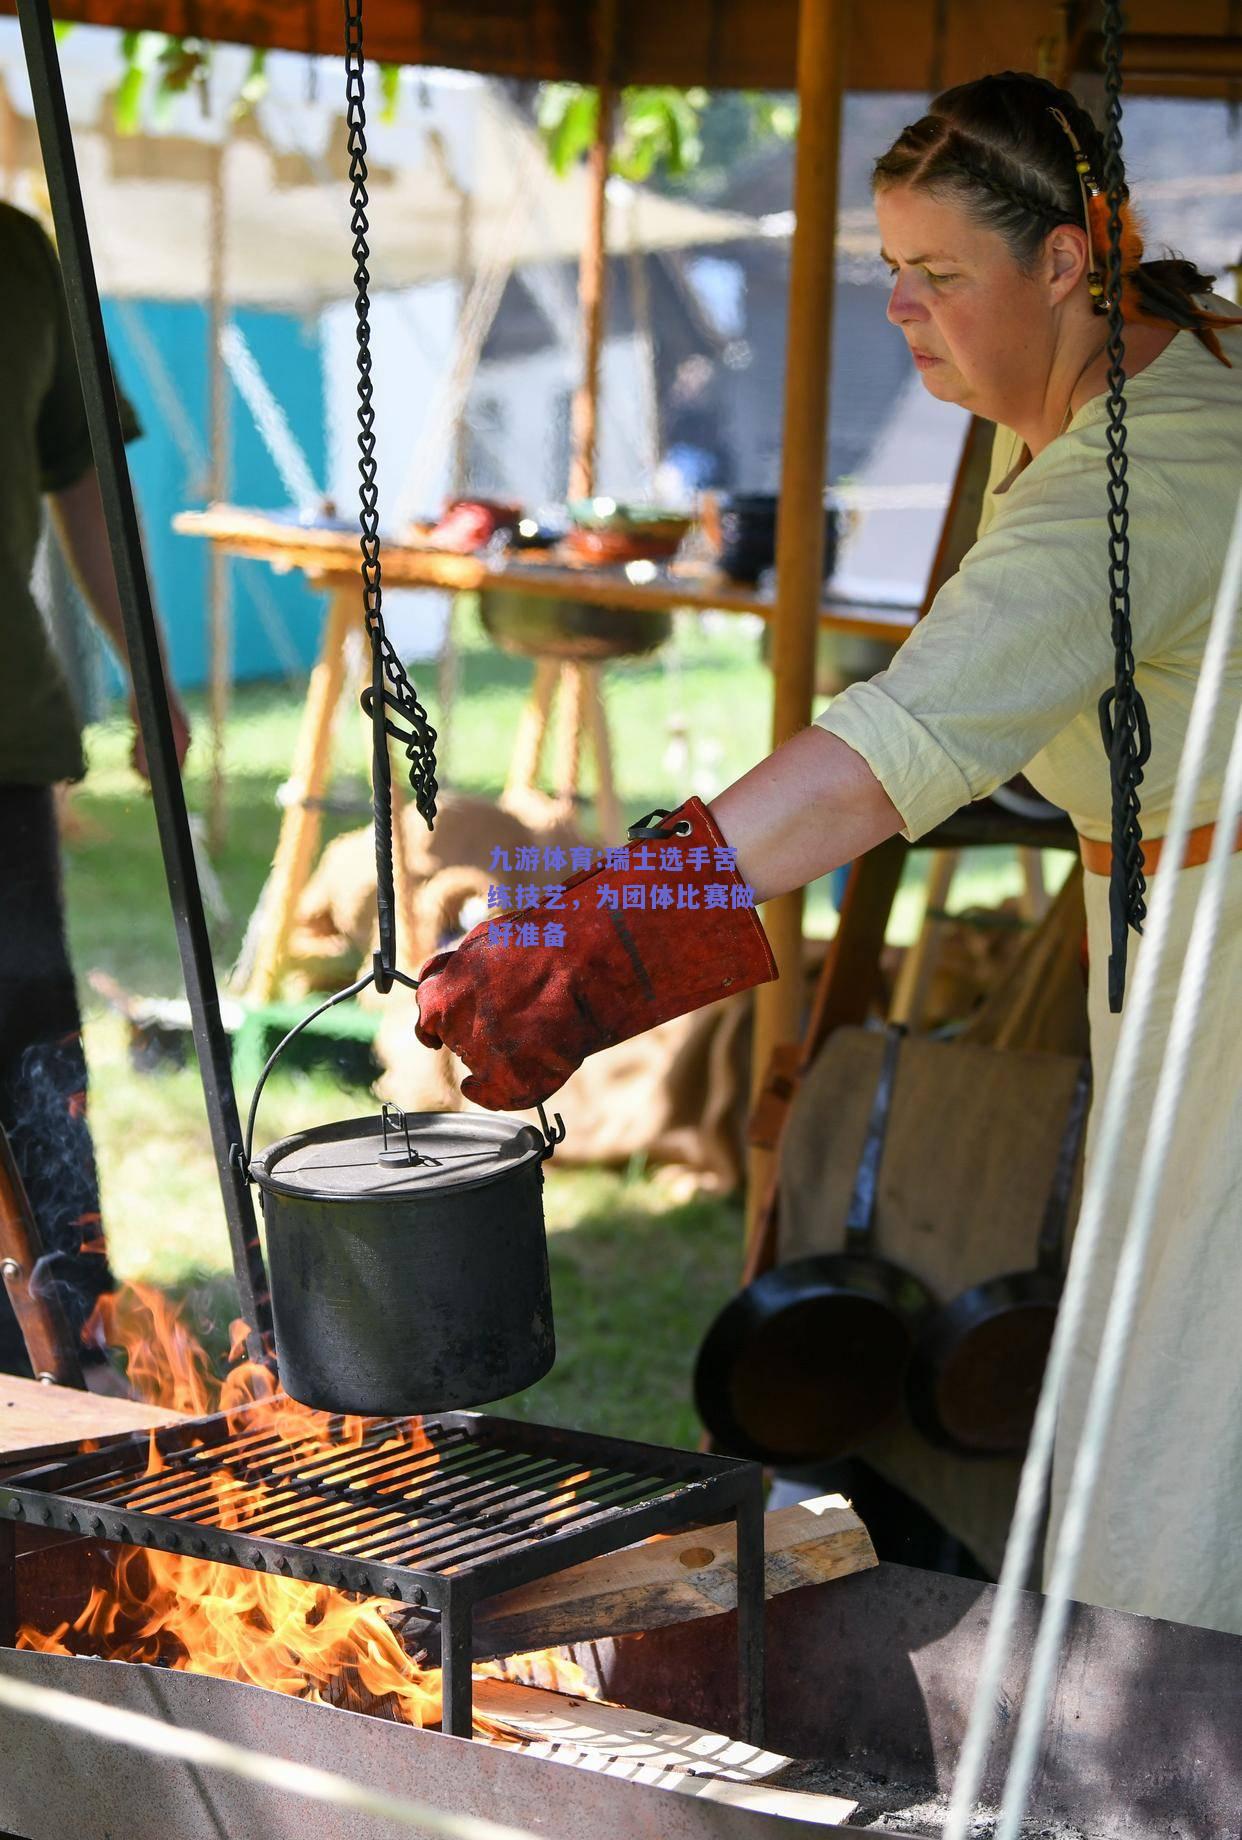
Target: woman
992	242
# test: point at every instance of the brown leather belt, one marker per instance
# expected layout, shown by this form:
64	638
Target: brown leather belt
1098	857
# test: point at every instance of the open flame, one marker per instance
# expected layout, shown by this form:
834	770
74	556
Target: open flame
289	1635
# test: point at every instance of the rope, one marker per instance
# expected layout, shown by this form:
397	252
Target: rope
1123	715
117	1726
390	688
269	418
1097	1200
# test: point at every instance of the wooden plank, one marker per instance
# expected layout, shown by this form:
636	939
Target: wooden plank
673	1580
35	1417
639	1746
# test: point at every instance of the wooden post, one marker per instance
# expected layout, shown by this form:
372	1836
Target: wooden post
800	536
299	828
219	609
584	418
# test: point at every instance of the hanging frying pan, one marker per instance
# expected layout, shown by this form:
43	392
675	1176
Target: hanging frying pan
807	1361
975	1375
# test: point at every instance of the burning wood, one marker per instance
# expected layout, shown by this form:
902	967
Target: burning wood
270	1544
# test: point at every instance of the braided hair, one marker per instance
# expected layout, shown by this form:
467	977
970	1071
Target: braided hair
997	146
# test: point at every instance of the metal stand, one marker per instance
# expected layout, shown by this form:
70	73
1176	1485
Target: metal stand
146	665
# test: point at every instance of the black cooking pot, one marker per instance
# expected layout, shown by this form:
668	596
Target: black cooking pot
407	1258
807	1361
974	1377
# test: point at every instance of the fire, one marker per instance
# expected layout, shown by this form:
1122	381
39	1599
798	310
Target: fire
288	1635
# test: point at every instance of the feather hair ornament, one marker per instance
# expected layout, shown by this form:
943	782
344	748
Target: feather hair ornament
1152	293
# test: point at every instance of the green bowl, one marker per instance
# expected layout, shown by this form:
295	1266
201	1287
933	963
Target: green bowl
606	514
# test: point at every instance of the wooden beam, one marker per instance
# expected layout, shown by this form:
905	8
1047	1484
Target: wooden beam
800	531
912	45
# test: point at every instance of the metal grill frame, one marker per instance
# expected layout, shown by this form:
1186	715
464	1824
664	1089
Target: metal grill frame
700	1490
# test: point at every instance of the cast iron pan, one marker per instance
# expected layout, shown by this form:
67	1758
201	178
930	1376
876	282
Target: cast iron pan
807	1361
974	1379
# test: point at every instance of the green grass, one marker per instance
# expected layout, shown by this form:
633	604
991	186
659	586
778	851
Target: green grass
637	1272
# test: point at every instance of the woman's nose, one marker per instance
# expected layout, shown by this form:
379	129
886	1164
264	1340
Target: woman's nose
903	302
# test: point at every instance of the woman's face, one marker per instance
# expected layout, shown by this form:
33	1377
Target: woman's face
981	329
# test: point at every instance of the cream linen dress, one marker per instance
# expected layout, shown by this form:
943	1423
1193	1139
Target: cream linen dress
1004	675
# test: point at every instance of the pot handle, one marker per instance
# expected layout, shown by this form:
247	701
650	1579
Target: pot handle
241	1155
1052	1232
860	1220
553	1134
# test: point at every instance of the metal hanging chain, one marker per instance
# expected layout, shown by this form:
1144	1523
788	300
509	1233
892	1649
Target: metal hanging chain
1123	714
390	692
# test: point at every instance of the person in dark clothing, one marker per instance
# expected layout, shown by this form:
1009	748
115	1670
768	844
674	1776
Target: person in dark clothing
45	452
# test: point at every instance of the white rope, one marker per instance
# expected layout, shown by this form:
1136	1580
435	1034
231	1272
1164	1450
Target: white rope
1029	1509
270	420
143	1733
172	408
1123	1305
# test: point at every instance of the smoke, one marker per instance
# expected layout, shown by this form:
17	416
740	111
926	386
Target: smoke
52	1146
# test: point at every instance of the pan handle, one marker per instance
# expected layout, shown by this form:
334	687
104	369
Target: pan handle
1056	1212
860	1220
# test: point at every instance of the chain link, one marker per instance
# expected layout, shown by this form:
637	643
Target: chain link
1123	714
390	693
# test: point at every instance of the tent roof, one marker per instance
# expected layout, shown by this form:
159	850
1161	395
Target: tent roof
914	45
287	238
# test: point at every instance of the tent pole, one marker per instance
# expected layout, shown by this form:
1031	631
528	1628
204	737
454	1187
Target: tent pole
142	640
219	608
800	532
592	268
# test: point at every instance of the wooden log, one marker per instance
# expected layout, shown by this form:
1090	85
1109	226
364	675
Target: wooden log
618	1741
671	1580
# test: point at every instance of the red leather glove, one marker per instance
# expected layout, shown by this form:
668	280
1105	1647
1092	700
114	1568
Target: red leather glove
524	1017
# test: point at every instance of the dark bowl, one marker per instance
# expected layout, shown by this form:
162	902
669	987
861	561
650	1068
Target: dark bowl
748	523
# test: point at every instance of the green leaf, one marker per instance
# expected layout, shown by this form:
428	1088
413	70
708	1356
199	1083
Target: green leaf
61	28
567	116
390	90
127	109
254	87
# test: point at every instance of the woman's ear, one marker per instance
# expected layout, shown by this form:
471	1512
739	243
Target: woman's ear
1065	257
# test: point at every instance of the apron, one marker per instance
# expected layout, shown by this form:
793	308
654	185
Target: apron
1165	1533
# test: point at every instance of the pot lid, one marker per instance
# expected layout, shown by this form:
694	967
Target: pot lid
397	1153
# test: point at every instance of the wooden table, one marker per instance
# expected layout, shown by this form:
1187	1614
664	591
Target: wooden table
330	558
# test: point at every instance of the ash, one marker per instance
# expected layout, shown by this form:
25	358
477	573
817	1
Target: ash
891	1807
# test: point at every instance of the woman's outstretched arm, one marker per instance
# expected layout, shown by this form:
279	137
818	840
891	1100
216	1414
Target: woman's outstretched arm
809	807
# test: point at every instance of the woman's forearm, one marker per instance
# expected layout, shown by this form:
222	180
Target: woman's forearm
809	807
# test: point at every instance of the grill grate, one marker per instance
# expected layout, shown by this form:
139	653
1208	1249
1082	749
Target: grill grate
438	1513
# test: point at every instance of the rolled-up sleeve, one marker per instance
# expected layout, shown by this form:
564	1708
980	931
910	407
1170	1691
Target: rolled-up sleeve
1015	646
